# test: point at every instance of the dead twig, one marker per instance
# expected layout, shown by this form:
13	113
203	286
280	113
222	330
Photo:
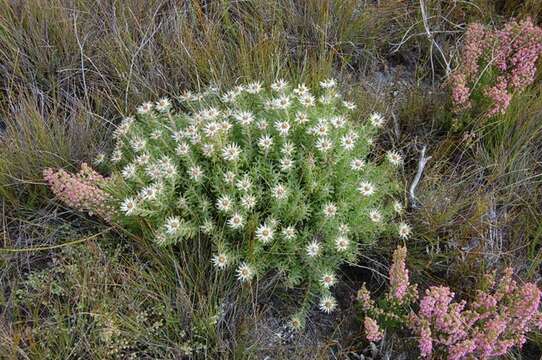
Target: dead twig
421	165
434	43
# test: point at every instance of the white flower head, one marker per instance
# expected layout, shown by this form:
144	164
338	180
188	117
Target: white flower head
283	127
301	89
129	206
321	129
220	261
261	124
342	243
244	184
168	167
287	149
149	193
99	159
282	102
124	127
144	108
337	122
156	134
265	142
313	249
229	97
286	164
296	323
349	105
302	118
366	188
398	207
328	83
182	149
264	233
357	164
236	221
344	229
142	159
138	144
129	171
279	85
307	100
279	192
328	304
208	150
377	120
225	126
161	239
154	171
173	225
229	177
348	141
328	280
269	104
163	105
289	232
244	118
212	129
177	135
324	144
330	210
248	201
210	113
231	152
404	230
195	173
207	227
224	203
394	158
245	272
272	221
186	96
375	216
254	87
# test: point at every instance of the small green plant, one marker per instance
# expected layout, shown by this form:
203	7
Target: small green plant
278	180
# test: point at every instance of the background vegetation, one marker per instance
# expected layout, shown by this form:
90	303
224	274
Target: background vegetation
70	70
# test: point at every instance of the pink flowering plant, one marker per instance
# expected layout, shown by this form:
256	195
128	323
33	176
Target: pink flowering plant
498	318
278	178
83	191
495	65
391	310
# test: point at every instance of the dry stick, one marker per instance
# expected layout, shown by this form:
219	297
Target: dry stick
421	165
433	41
144	43
83	69
43	248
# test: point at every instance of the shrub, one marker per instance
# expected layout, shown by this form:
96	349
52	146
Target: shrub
495	64
497	319
278	179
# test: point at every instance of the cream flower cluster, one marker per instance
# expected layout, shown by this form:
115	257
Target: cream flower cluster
277	177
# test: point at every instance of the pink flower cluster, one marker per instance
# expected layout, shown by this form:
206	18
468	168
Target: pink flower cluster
496	320
400	292
511	54
81	191
399	274
493	323
372	330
